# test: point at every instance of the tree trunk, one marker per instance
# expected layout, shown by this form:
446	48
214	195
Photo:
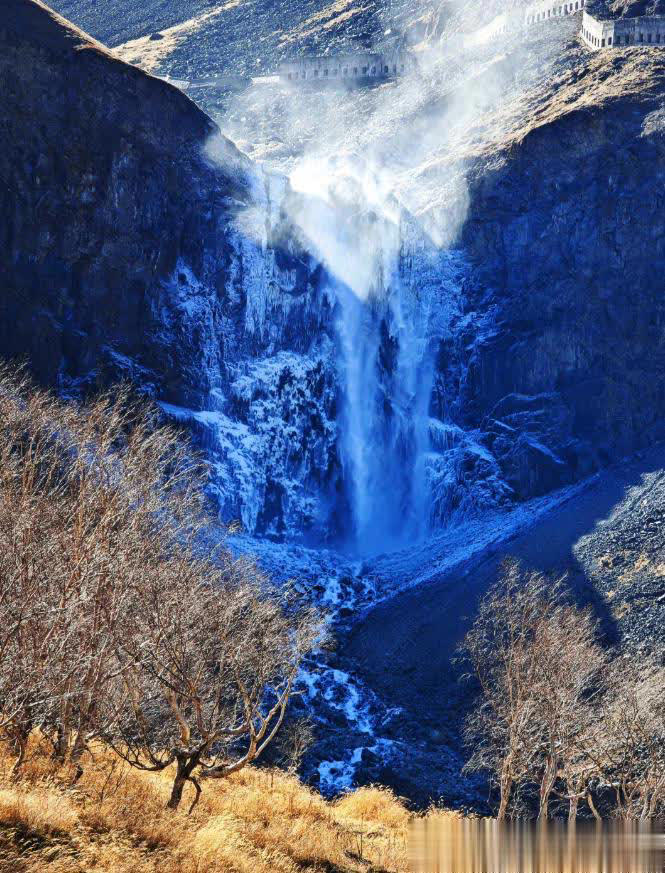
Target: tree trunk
185	767
63	738
178	787
506	785
176	792
78	748
62	744
572	808
197	796
546	785
21	743
592	806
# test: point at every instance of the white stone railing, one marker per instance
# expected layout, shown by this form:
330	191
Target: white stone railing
515	19
361	66
596	33
546	9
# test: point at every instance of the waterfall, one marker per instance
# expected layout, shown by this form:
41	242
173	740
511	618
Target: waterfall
358	345
386	376
385	284
320	424
385	372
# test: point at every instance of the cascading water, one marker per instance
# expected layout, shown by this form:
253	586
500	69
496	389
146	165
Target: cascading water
358	346
384	437
332	412
385	357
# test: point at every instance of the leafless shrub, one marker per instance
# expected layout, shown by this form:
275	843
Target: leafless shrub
538	666
207	677
626	746
118	625
294	741
555	713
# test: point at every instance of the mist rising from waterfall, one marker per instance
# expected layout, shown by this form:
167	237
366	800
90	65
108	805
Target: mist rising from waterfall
369	188
385	355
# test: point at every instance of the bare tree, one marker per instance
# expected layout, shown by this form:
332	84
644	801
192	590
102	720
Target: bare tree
499	648
568	680
538	666
119	621
295	739
35	630
209	675
627	745
75	510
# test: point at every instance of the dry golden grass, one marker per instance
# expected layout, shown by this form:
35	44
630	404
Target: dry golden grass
258	821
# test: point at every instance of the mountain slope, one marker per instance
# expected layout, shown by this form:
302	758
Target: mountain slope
607	538
95	155
241	37
117	22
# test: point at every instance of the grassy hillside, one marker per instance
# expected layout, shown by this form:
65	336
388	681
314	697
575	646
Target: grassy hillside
258	821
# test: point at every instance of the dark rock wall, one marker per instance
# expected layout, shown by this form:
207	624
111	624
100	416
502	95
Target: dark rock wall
137	243
105	189
568	237
106	193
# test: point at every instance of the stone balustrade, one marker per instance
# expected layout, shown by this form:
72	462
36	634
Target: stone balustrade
546	9
361	65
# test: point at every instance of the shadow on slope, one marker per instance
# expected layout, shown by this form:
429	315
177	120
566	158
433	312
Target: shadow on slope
404	648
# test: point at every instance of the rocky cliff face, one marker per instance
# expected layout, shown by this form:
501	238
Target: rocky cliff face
351	370
567	234
106	192
138	243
